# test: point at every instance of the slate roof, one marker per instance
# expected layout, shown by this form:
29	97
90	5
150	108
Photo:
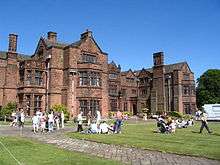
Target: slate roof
56	44
168	68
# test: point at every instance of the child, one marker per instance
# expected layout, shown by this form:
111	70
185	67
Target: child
35	121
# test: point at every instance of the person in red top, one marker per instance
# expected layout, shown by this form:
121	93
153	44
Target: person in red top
118	121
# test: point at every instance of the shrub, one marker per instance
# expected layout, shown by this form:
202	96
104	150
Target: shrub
111	114
7	110
175	114
59	108
187	116
127	113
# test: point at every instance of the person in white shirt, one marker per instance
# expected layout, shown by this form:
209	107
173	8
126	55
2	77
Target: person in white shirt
104	128
80	122
94	128
98	117
62	119
43	120
35	122
50	121
57	121
22	118
204	123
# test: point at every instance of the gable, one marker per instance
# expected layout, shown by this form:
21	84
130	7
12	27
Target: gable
89	45
130	74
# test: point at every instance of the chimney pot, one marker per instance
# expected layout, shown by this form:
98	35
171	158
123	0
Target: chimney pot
52	36
86	34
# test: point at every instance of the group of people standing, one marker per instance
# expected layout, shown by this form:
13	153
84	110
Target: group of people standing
18	118
51	121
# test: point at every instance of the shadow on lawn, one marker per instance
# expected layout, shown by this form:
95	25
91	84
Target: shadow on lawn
215	134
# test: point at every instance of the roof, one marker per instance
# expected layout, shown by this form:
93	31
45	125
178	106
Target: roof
168	68
56	44
3	55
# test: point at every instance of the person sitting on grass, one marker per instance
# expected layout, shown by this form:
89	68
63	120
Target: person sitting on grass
104	128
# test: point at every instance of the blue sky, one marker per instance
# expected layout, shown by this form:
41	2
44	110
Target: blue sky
130	31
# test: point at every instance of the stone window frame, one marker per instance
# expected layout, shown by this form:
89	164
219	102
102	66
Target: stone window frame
88	58
113	90
90	78
37	102
38	77
113	76
87	105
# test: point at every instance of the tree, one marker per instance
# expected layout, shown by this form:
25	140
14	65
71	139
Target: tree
7	110
59	108
208	90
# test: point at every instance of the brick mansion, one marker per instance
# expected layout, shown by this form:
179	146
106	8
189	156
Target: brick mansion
79	76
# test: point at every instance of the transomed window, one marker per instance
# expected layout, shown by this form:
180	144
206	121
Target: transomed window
186	90
143	80
130	80
37	102
113	90
113	76
29	77
83	78
133	91
123	92
113	104
89	105
87	58
187	109
38	77
125	106
186	76
144	92
89	79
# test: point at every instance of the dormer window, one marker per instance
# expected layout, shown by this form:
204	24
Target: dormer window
88	58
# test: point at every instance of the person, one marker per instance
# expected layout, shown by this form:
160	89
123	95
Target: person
172	127
57	121
98	117
62	117
21	118
89	117
104	128
161	124
35	122
204	123
43	120
118	122
93	128
198	114
50	121
14	119
80	122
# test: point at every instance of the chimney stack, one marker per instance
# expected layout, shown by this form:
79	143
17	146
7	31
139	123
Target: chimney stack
12	45
158	58
86	34
52	36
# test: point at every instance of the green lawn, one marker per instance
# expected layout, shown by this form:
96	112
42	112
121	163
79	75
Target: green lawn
33	153
185	141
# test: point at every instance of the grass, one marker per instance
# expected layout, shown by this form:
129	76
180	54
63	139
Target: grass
33	153
185	141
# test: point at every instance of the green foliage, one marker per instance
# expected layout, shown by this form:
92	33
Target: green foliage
59	108
127	113
187	116
208	90
175	114
111	114
8	109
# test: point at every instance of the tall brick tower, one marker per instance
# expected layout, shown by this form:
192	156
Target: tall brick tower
158	89
11	73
